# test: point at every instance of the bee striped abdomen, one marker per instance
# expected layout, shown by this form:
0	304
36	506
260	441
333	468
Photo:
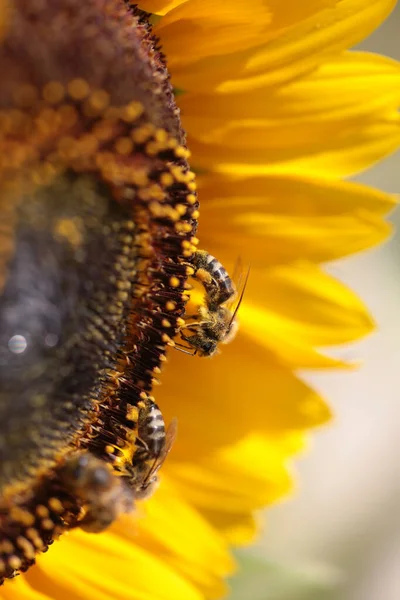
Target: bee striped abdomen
221	288
151	428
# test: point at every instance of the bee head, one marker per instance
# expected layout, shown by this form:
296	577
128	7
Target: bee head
208	348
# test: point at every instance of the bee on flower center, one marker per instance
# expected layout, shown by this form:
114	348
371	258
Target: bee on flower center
217	323
153	443
104	495
215	279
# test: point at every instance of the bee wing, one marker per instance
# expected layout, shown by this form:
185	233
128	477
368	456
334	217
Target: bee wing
237	277
170	437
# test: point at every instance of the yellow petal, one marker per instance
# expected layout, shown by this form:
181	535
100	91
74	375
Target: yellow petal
159	7
303	308
238	478
19	589
290	52
332	149
289	195
181	537
201	28
275	219
220	392
237	528
74	567
350	85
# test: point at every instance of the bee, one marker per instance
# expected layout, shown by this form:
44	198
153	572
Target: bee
153	444
103	494
215	279
217	323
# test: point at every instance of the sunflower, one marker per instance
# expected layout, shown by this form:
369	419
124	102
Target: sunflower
277	113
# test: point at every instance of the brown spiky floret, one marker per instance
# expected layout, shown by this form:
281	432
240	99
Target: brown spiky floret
99	216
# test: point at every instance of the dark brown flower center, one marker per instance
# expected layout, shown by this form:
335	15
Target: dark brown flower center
98	222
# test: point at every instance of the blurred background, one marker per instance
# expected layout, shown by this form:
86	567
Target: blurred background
338	538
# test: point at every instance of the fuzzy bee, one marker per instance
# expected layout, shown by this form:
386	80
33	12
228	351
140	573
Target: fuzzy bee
215	323
153	443
104	495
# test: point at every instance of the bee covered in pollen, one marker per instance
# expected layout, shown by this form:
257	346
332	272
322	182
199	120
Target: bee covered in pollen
153	443
217	323
104	495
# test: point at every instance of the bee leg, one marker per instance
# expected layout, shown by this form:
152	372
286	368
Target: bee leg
190	326
185	349
195	316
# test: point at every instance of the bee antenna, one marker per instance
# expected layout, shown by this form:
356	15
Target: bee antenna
241	297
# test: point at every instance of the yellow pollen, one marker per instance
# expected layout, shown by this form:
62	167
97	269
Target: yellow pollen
47	524
166	179
181	152
6	547
172	143
56	505
170	305
88	144
153	148
195	214
161	135
47	121
42	511
174	282
132	111
22	516
181	209
180	322
14	562
142	134
183	227
53	92
78	89
124	145
166	323
191	198
97	102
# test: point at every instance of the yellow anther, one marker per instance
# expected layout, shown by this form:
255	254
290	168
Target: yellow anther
132	111
174	281
53	92
78	89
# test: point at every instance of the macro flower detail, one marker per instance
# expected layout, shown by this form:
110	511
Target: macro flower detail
102	215
99	229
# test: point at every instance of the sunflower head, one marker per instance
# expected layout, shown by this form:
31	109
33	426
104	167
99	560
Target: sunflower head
101	215
99	252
